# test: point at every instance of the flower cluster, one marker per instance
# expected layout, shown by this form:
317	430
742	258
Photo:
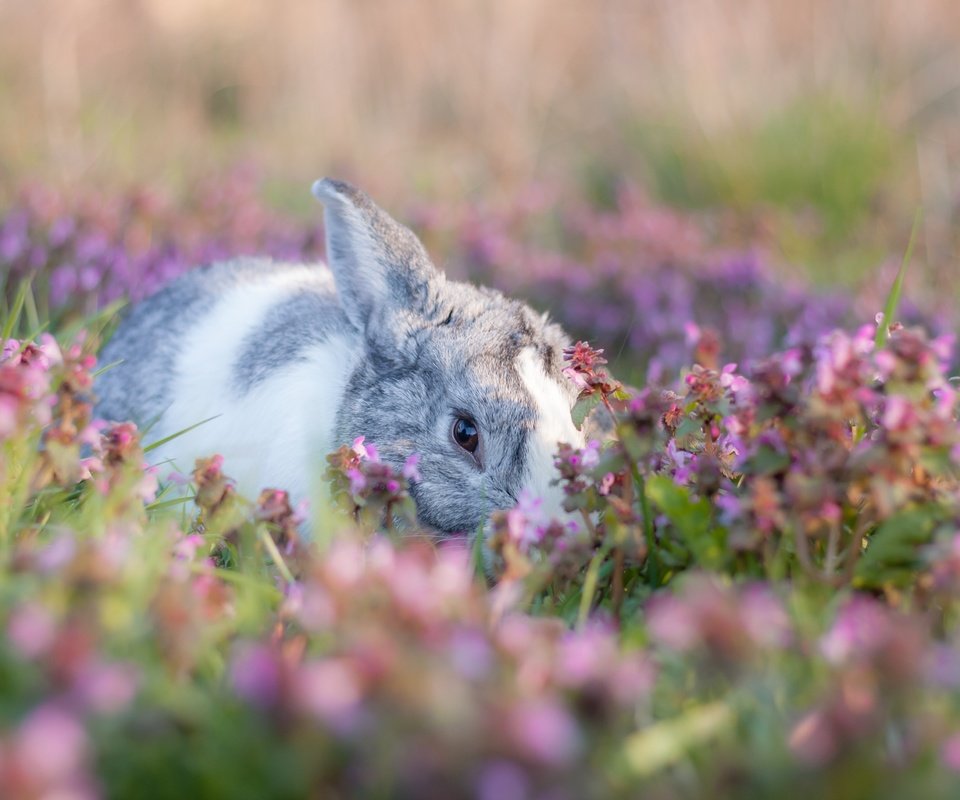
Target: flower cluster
372	490
649	281
635	275
87	252
375	632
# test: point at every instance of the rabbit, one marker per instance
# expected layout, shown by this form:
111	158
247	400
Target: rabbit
284	362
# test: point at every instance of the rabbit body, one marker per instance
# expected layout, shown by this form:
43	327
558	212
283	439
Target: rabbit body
255	353
277	364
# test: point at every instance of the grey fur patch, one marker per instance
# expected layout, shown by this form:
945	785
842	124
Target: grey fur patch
290	329
376	261
149	338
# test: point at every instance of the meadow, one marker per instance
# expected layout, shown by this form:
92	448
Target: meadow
762	596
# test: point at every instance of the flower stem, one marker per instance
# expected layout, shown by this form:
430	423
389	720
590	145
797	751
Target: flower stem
274	551
648	532
590	585
618	560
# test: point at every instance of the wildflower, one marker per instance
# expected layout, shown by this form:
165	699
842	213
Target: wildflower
584	359
410	469
51	748
106	688
950	752
273	507
214	489
585	369
256	674
31	630
502	780
330	690
544	731
365	451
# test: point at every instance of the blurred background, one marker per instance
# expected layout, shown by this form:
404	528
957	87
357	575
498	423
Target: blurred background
814	128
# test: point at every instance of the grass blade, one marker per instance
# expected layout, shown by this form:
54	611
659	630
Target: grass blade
107	367
172	436
893	299
590	585
15	310
176	501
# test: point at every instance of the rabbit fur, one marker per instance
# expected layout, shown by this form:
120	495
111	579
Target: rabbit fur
288	361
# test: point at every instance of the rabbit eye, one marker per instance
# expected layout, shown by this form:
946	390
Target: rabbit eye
465	434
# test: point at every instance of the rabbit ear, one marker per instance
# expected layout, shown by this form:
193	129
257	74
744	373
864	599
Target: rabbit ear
377	263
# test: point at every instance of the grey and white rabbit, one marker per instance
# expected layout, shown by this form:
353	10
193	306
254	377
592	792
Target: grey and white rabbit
292	360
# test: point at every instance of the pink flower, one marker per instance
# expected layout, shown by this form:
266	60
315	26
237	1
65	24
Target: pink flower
791	362
590	455
898	413
107	688
861	626
764	617
186	548
950	752
31	630
330	690
544	731
358	481
50	745
812	739
577	379
673	623
410	469
470	654
526	522
606	483
365	451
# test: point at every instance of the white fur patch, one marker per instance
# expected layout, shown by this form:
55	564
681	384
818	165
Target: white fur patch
278	432
554	425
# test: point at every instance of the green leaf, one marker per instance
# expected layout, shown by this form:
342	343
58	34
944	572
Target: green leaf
892	553
893	299
688	427
767	461
692	519
583	407
664	743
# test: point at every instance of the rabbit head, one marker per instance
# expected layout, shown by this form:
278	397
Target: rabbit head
468	379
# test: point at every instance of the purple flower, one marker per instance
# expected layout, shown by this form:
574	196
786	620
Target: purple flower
256	673
470	654
861	626
358	481
502	780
